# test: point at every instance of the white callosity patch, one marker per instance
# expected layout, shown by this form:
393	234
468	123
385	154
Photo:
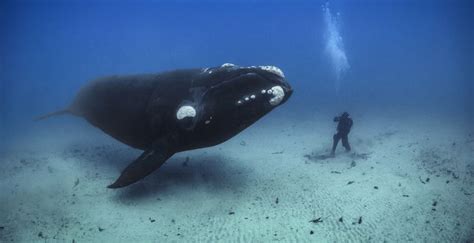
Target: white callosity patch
248	98
207	70
273	69
228	65
185	111
278	95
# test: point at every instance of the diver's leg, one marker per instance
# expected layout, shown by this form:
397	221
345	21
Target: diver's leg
335	139
345	143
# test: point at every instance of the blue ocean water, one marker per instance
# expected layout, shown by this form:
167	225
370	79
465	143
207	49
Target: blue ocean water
412	53
366	57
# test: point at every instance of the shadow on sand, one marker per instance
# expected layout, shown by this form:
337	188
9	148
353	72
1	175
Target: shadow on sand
213	174
317	156
184	171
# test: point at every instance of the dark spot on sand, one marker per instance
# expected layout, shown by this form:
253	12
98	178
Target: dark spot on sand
350	182
151	220
311	232
376	187
353	164
341	219
360	220
405	195
100	229
363	156
76	182
435	203
230	213
317	157
276	200
318	220
23	161
40	235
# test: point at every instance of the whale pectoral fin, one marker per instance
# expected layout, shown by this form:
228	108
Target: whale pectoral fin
144	165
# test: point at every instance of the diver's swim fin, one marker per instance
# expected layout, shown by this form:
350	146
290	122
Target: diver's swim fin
144	165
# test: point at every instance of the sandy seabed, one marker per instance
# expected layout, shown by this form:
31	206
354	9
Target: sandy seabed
407	179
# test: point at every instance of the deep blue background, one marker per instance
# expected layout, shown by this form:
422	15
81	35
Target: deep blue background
412	54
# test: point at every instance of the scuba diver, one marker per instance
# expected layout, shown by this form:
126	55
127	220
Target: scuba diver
343	128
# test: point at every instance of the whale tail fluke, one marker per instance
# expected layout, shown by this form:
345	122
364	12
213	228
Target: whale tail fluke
56	113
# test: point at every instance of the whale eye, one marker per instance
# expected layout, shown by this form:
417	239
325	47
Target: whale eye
277	93
185	111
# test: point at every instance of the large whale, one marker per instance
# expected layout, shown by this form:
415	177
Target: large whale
176	111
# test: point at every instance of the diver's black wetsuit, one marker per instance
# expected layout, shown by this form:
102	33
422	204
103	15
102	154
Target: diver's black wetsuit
343	129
